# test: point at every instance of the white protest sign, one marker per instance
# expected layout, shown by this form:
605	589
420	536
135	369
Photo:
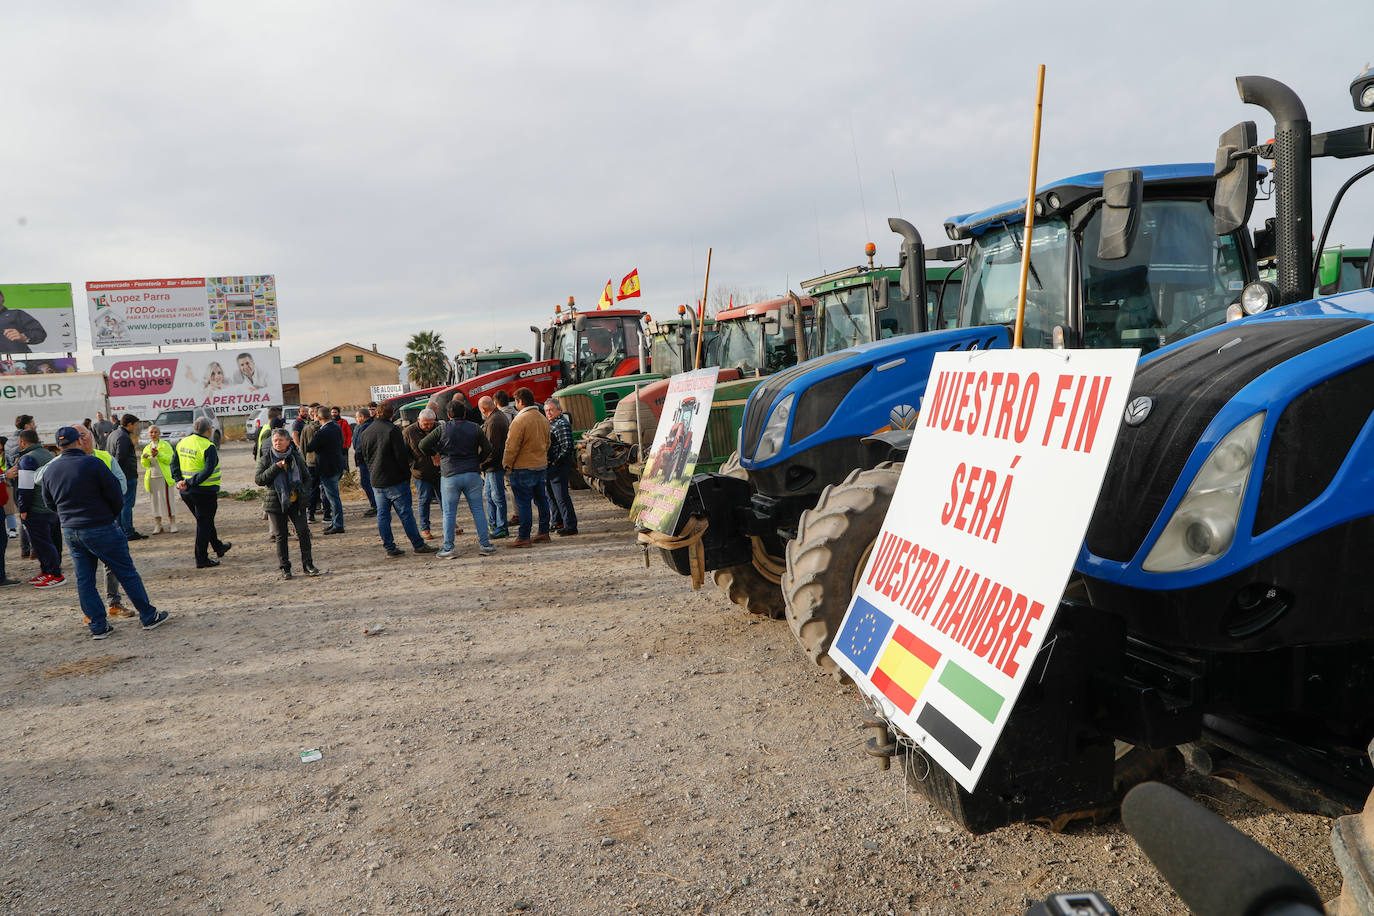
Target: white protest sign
382	392
677	442
962	583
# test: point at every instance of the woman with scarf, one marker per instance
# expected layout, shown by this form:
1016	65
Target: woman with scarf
157	479
282	470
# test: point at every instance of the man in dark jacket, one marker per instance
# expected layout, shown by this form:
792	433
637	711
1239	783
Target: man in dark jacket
18	330
327	447
462	448
45	535
364	418
124	449
495	424
282	473
423	469
560	467
383	449
87	499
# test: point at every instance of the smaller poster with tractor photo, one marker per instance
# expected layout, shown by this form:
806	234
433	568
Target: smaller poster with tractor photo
673	459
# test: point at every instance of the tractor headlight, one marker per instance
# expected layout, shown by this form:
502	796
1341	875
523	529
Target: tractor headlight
1204	524
774	430
1258	296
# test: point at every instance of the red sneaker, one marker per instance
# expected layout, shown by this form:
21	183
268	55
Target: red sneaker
38	580
52	582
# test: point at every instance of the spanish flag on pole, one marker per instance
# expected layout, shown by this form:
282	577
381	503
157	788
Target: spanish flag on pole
605	300
629	287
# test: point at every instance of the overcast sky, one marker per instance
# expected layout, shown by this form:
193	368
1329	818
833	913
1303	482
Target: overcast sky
464	167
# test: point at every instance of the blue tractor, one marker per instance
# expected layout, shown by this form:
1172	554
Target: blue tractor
1120	258
1223	618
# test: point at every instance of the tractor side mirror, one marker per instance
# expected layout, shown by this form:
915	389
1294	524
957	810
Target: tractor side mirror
1329	271
881	294
580	323
771	325
1236	172
1123	190
1367	280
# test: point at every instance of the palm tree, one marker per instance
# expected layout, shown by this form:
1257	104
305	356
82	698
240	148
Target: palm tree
425	360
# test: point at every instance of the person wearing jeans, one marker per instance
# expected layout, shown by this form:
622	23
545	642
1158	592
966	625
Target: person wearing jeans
495	424
124	449
327	448
87	499
364	418
526	458
423	469
383	448
397	497
462	447
560	468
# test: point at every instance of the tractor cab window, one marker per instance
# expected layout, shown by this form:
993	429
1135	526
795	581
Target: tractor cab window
780	349
666	352
942	303
741	341
992	280
601	348
1178	279
845	317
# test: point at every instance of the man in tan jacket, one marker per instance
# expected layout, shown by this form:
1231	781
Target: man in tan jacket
526	460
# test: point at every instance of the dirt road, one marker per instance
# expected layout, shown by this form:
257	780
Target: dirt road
556	730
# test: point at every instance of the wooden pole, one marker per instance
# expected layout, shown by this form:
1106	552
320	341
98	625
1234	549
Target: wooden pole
1030	210
701	312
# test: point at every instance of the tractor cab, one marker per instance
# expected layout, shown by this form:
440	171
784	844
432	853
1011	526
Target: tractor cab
595	345
472	363
1160	274
761	338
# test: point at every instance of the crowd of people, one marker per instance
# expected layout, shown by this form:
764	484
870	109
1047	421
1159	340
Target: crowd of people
81	491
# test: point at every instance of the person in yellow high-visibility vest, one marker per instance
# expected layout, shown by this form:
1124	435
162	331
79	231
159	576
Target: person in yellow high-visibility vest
195	468
157	479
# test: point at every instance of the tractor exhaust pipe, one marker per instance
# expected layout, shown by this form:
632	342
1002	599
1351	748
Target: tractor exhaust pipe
1292	182
913	265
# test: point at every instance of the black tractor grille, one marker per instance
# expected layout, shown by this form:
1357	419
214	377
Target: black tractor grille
1188	387
757	410
1311	441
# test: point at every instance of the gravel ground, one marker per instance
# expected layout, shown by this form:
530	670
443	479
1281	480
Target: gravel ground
556	730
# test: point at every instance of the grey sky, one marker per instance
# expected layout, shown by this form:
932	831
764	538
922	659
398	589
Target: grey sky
465	167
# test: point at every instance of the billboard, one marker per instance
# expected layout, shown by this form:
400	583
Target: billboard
53	365
185	310
36	318
226	381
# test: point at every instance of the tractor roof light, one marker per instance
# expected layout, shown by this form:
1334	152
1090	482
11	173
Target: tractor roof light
1362	90
1258	296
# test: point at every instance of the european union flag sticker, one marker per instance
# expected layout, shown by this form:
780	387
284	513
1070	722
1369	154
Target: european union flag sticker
863	635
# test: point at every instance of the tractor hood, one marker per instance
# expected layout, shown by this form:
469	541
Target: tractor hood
1242	468
848	394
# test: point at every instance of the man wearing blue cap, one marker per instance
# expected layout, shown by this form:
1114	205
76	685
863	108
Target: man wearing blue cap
89	500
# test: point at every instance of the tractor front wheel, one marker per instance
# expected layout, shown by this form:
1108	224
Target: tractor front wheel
753	585
826	560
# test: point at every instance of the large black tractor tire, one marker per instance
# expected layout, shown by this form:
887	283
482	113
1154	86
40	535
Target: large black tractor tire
575	479
620	490
824	563
753	586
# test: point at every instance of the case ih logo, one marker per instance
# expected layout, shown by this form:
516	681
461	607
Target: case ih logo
149	376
